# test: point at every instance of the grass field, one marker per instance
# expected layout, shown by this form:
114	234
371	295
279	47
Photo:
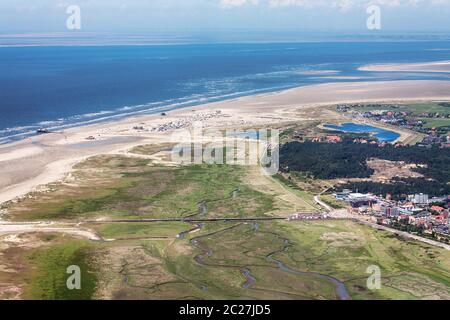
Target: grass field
344	249
141	230
294	187
435	123
417	108
47	280
332	202
429	108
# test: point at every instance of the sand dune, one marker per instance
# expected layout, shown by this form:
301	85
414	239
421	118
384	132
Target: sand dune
19	228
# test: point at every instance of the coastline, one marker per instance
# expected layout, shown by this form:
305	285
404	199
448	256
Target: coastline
39	160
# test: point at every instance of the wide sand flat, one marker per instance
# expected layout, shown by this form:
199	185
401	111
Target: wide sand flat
27	164
349	92
20	153
440	66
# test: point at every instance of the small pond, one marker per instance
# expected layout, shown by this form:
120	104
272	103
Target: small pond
379	133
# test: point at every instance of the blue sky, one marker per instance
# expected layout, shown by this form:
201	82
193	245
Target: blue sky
123	15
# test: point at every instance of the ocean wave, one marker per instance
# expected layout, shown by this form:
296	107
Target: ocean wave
20	128
19	132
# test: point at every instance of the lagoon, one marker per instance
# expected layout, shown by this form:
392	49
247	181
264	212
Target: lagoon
379	133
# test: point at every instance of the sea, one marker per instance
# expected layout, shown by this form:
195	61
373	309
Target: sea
60	86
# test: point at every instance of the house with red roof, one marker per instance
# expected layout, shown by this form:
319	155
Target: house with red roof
334	139
437	209
439	218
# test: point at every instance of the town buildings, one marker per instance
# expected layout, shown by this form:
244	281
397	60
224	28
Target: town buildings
417	214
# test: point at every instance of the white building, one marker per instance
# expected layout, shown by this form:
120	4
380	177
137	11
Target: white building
357	196
419	198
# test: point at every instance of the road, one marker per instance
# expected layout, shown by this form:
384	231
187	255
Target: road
406	234
343	214
74	229
188	220
321	203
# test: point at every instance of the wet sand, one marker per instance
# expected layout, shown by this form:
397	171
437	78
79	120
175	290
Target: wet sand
439	66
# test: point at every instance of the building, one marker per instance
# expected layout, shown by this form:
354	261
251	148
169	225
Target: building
390	211
419	198
357	196
334	139
343	195
437	209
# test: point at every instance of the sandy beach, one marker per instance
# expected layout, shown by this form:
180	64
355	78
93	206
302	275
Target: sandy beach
439	66
29	164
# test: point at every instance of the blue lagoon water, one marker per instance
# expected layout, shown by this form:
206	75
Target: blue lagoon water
60	86
380	134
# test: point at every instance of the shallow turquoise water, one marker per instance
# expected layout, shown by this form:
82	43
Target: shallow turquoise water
379	133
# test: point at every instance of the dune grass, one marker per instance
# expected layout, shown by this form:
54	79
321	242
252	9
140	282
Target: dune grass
345	249
49	276
142	230
130	188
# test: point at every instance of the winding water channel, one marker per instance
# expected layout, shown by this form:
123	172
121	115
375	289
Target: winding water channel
250	280
341	290
207	252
